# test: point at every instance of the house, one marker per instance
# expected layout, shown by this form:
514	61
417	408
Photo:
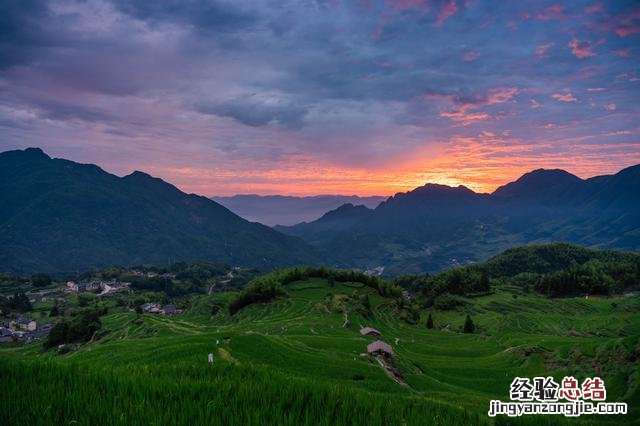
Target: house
152	308
368	331
170	310
6	335
92	286
23	324
40	333
380	348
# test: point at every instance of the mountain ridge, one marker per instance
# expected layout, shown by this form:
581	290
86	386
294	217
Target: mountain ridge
436	226
57	215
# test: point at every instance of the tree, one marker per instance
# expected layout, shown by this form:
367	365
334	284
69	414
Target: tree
139	310
40	280
430	321
55	311
20	302
57	335
366	302
469	326
84	299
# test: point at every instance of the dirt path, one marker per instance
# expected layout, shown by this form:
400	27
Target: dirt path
391	372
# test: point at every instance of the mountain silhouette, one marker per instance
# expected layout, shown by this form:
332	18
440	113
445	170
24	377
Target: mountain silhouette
58	215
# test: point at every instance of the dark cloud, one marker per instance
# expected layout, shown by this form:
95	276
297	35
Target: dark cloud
258	111
204	15
21	30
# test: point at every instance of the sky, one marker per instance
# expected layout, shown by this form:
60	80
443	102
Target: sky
324	96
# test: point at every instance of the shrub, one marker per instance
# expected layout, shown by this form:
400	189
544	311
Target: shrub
447	301
469	326
40	280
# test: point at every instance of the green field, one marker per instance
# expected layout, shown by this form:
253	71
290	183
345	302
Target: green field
294	362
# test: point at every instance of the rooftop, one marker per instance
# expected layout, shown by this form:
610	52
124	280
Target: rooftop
379	346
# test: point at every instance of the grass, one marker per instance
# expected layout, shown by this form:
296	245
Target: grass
292	362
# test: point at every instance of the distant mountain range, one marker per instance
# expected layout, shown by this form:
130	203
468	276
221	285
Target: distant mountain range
286	210
57	215
436	226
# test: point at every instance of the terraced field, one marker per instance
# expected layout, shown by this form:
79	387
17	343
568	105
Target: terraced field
296	349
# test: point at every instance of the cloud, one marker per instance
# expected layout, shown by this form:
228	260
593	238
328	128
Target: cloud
564	97
542	49
259	110
553	12
211	16
627	23
448	10
465	111
623	53
581	49
595	8
470	56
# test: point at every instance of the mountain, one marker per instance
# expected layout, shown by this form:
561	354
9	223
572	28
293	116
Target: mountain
436	226
286	210
57	215
333	221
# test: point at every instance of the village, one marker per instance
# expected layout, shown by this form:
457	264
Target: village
30	324
23	329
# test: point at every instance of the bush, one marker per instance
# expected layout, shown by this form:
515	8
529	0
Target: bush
447	301
262	289
78	329
469	326
40	280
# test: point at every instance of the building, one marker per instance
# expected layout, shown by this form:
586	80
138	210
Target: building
6	335
40	333
380	348
152	308
23	324
170	310
368	331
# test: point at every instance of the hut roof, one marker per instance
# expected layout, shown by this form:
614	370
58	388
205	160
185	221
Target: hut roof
367	330
379	346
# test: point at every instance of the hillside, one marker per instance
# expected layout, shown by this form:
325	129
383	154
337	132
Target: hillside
300	358
437	226
331	222
284	210
57	215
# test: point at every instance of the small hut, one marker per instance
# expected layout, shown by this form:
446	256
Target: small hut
380	348
368	331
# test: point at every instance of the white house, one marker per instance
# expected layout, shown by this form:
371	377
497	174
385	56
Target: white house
23	324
